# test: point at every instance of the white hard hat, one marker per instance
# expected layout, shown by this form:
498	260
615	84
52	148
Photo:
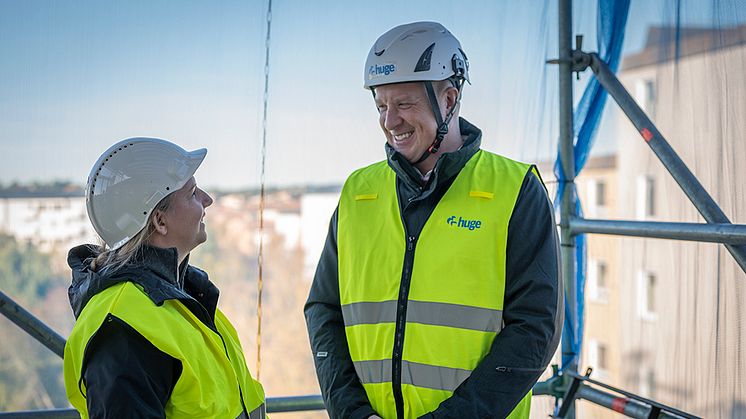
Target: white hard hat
129	180
419	51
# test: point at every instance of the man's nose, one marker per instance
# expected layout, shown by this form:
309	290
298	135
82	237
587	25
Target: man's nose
391	119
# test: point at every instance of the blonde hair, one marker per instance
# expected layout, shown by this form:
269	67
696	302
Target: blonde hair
112	260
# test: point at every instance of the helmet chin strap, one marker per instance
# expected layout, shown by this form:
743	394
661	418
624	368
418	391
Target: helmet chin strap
442	124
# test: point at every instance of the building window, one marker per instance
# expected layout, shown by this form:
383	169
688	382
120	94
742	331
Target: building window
649	197
600	193
597	281
596	198
647	382
646	207
603	361
598	358
647	307
646	96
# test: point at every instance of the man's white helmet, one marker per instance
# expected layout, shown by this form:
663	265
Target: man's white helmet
129	180
419	51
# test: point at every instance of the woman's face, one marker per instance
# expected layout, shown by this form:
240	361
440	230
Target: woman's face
183	220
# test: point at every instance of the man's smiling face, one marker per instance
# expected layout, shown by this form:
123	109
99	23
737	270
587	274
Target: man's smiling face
406	118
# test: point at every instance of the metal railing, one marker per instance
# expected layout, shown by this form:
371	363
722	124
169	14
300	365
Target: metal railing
274	405
31	325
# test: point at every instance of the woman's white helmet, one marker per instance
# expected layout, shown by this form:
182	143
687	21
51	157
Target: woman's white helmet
419	51
129	179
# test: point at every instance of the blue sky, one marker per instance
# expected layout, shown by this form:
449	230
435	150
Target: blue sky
77	76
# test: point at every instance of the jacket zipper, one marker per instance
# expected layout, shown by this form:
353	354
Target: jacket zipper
517	369
401	316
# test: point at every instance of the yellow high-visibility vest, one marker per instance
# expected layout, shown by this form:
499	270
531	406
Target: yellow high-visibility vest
455	296
214	375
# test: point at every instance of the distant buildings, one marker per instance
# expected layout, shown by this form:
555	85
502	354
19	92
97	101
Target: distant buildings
49	218
55	218
316	212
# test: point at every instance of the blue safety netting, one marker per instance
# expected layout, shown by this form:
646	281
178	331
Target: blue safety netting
611	22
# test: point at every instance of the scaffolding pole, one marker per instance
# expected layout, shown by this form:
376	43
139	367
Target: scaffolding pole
33	326
567	160
713	233
666	154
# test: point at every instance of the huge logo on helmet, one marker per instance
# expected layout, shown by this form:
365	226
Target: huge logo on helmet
380	70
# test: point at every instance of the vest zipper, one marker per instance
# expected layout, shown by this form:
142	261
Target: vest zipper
212	326
238	379
401	316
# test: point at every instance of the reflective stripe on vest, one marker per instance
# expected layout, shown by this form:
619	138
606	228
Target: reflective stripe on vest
420	375
425	312
455	296
213	365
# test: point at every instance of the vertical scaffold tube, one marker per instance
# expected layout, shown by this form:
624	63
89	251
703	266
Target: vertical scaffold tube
567	160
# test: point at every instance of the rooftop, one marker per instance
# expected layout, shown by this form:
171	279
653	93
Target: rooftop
661	45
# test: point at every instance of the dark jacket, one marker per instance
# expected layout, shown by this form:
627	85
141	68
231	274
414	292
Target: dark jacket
122	371
532	312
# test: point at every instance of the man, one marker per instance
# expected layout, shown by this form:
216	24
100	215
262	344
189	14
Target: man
437	294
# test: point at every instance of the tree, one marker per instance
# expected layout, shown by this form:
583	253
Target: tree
30	374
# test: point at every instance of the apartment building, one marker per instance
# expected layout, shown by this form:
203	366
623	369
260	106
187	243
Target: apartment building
683	324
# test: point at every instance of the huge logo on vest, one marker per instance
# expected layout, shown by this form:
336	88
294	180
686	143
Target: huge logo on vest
461	222
380	70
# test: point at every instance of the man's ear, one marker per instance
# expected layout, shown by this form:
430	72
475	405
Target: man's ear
451	98
159	222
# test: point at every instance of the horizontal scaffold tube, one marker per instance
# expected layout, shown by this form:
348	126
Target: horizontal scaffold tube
295	403
714	233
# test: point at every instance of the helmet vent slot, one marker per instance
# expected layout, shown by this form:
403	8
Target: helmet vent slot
423	64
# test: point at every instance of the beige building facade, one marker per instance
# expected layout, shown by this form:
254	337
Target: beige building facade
683	323
597	187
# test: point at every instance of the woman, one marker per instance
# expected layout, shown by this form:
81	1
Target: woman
149	340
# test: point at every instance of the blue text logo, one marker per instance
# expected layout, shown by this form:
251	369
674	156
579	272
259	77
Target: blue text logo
380	70
463	223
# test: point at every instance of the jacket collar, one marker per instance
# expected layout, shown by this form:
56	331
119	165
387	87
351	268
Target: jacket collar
447	166
155	269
